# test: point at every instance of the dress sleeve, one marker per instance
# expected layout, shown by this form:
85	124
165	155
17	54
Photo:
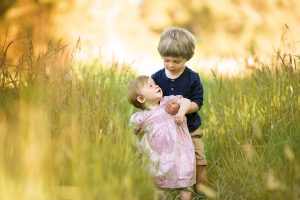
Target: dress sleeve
171	98
136	123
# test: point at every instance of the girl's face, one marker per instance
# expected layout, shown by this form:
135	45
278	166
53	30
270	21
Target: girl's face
151	92
174	64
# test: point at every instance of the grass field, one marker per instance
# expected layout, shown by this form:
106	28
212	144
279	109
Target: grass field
252	128
64	133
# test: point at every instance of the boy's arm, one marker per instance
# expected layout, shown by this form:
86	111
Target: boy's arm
196	95
196	99
185	105
193	108
173	107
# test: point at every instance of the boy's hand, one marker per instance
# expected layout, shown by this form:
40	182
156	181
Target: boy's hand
179	118
172	108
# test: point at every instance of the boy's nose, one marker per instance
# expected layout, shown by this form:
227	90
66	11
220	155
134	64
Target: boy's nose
170	65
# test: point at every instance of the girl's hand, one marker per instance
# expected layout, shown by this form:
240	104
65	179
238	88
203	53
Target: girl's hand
179	118
172	108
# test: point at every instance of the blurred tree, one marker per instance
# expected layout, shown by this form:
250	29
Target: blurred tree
5	5
197	16
23	20
224	22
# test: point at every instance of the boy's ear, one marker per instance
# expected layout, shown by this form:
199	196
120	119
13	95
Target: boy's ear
141	99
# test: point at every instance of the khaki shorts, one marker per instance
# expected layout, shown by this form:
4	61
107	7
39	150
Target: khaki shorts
199	147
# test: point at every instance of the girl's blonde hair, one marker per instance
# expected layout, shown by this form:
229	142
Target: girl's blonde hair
177	42
134	90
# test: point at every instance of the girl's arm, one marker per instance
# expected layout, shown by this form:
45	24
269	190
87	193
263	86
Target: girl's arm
185	105
135	124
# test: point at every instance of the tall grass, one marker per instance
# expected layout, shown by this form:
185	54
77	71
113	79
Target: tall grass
252	132
64	135
64	132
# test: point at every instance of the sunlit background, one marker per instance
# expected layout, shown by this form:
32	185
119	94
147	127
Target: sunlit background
228	32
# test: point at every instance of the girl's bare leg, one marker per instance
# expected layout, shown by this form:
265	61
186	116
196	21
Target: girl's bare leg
185	195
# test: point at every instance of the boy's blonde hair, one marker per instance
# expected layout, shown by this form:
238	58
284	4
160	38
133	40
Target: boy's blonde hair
177	42
134	90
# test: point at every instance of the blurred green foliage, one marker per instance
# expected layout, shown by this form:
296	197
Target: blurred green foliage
64	133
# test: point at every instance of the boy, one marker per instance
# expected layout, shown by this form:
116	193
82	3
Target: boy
176	46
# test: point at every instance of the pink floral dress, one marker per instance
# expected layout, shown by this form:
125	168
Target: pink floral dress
168	145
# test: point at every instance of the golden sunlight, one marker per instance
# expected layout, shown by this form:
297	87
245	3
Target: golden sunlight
109	30
128	31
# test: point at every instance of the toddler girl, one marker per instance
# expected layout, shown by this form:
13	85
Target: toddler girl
166	139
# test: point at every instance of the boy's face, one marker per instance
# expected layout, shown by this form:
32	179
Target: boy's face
174	64
151	92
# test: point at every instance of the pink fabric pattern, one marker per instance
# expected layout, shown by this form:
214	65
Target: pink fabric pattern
168	145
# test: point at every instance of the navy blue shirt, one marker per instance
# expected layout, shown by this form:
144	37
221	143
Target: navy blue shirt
189	85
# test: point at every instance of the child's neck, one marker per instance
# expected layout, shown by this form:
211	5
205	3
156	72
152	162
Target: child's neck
152	106
173	75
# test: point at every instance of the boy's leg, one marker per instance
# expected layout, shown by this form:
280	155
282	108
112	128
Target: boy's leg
200	176
201	161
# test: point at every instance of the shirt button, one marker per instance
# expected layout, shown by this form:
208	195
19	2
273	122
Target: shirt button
172	89
172	80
